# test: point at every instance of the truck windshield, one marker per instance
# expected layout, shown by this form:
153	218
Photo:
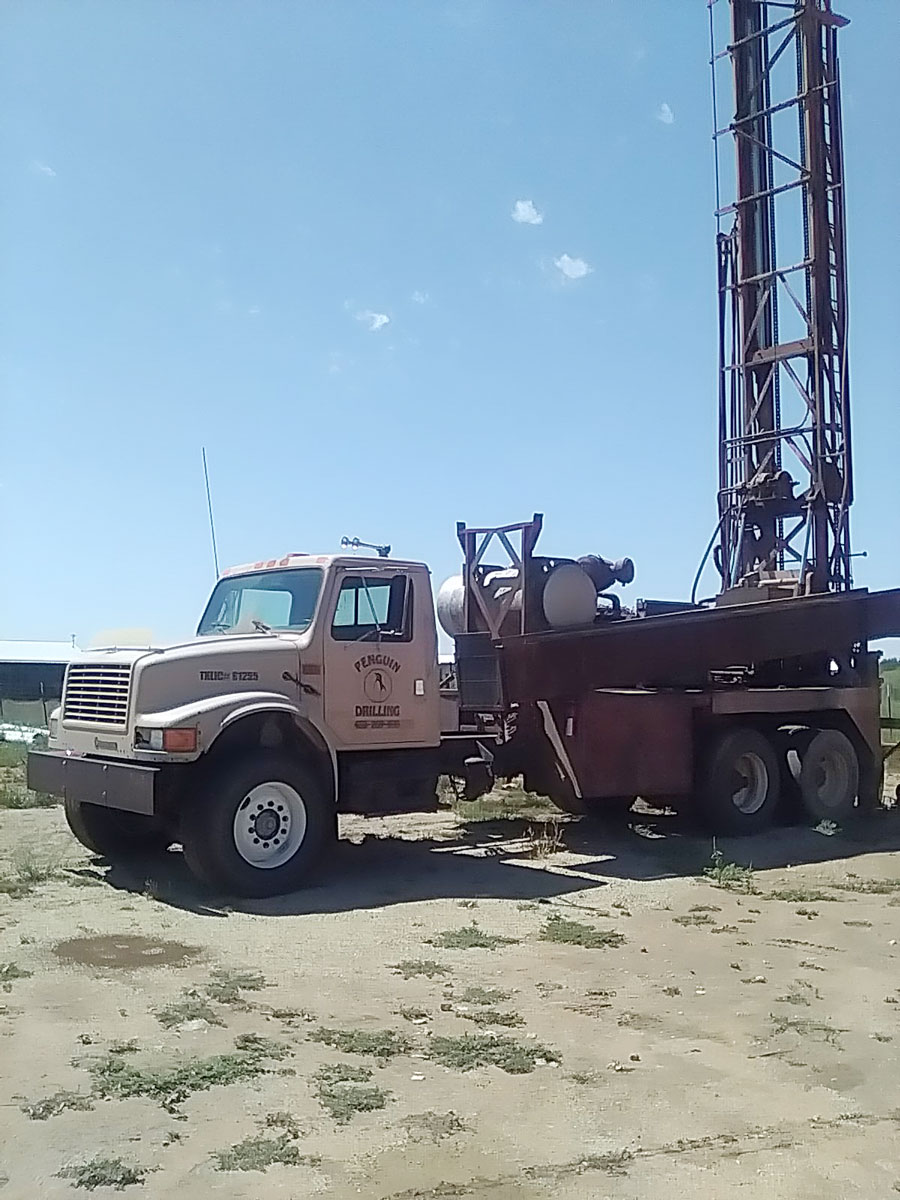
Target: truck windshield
265	600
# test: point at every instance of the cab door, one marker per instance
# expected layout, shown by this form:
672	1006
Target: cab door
381	659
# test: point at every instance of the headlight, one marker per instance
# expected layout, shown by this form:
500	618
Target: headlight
53	726
173	741
148	739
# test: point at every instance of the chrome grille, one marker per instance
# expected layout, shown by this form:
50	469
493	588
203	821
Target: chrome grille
97	694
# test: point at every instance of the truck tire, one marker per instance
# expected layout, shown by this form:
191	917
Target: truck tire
112	833
791	745
259	825
829	777
740	782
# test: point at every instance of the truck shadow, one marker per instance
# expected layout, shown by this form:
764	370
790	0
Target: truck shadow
390	864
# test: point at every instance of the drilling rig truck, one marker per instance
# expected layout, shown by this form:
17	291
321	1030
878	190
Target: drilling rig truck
313	685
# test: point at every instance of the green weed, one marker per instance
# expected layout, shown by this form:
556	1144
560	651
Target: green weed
576	933
113	1076
382	1043
479	1050
13	754
731	877
226	986
104	1172
483	995
410	1013
470	937
52	1106
411	968
492	1016
260	1152
14	796
869	887
694	918
119	1047
343	1091
191	1007
800	895
9	972
505	804
32	867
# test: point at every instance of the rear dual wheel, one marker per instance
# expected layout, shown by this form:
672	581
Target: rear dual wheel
743	778
740	782
829	776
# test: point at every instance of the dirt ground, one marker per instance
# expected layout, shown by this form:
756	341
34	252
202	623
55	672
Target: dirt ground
646	1030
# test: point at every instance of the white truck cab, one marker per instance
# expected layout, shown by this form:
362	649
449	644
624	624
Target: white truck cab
312	685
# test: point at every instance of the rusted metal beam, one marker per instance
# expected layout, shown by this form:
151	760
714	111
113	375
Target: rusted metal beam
683	649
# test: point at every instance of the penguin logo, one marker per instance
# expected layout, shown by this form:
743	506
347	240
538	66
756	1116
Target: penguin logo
378	686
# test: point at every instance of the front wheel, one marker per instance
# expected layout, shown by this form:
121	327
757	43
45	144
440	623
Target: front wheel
112	833
740	783
259	826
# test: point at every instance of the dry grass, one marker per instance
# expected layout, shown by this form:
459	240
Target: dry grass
543	839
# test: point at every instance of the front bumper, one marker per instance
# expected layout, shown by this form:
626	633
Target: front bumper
130	786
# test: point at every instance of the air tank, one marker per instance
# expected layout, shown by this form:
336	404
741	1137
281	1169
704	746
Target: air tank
568	597
450	601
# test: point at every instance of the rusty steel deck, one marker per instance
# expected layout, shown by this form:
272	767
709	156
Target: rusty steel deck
682	650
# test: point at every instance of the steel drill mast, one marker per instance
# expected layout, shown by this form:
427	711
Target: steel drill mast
785	471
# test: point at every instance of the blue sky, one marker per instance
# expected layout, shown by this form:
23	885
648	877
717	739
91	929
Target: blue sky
287	231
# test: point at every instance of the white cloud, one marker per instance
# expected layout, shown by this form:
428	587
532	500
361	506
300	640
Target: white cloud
254	311
43	169
572	268
664	113
525	213
420	297
374	320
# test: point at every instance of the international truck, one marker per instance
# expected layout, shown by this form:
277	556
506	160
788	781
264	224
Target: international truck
313	686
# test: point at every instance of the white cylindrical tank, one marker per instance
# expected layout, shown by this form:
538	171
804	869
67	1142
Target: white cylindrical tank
569	597
450	600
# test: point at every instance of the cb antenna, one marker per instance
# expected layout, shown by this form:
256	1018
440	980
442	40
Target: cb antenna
212	526
356	544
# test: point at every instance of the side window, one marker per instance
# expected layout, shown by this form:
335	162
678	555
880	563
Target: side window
374	609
